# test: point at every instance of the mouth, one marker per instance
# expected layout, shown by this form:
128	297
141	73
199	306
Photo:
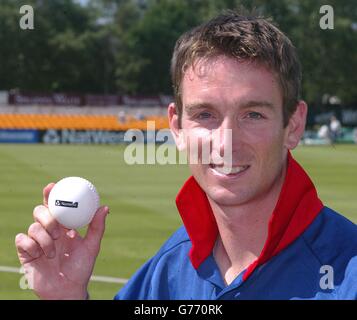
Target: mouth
228	171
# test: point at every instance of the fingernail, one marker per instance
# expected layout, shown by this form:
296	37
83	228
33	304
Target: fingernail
107	209
71	234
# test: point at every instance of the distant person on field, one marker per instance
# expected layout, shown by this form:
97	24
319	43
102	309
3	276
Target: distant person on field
253	227
335	128
324	133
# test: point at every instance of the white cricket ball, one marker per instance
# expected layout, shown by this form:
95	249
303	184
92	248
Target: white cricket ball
73	202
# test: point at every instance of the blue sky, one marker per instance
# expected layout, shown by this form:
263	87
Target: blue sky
82	1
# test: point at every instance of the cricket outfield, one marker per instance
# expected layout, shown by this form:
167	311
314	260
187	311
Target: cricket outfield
141	200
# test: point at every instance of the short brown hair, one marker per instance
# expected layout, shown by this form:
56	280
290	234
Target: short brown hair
245	37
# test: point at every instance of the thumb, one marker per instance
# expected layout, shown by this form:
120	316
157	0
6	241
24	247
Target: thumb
96	230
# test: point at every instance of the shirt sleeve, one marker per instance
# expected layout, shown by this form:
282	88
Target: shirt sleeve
348	288
152	280
139	285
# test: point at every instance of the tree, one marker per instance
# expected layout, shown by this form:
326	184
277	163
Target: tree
144	60
109	46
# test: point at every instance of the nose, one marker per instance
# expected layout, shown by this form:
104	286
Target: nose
222	141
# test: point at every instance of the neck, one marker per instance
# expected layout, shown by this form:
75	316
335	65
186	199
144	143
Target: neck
243	230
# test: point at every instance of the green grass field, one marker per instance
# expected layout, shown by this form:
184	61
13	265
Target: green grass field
141	198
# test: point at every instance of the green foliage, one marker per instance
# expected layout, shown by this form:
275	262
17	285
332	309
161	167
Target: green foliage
125	46
143	63
328	57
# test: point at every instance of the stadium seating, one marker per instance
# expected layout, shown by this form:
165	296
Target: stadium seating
77	121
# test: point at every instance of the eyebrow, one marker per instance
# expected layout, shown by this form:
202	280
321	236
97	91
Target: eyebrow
192	107
244	105
253	103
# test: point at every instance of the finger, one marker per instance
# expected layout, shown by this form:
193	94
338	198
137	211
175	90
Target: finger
42	215
96	230
40	235
27	248
46	191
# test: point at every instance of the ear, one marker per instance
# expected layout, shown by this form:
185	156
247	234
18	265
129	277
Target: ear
176	131
296	126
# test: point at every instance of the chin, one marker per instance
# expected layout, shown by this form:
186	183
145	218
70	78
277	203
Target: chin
226	197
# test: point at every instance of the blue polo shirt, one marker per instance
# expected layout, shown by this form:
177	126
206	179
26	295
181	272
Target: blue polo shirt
310	252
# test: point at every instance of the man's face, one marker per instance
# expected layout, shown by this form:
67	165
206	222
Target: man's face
223	94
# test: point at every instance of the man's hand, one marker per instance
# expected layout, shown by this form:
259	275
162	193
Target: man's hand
58	262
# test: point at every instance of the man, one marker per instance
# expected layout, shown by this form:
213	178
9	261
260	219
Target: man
254	227
335	128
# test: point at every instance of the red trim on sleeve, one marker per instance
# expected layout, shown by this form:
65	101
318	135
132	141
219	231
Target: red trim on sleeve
297	207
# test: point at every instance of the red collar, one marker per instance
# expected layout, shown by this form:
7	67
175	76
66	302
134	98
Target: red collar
297	207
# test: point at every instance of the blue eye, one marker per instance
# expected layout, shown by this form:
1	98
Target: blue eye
204	115
255	115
